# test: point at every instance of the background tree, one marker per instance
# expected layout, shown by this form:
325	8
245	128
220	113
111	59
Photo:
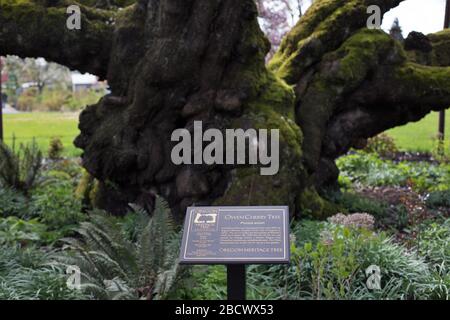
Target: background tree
277	18
331	84
37	73
43	73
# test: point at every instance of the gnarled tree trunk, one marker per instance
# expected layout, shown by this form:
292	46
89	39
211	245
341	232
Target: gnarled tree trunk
172	62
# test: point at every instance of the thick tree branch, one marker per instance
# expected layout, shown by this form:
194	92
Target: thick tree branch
31	29
352	83
365	87
323	28
440	42
393	97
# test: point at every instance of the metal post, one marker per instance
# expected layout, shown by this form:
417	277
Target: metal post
1	102
236	282
447	15
442	112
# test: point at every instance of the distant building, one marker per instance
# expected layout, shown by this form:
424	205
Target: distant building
84	81
396	31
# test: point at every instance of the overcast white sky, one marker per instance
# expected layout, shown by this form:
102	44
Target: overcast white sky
425	16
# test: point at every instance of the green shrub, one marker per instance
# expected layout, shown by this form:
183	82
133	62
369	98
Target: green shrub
19	169
29	274
27	101
438	199
51	100
304	231
370	170
353	203
70	167
113	267
333	266
14	230
382	145
55	148
387	216
210	283
434	243
55	204
80	99
14	203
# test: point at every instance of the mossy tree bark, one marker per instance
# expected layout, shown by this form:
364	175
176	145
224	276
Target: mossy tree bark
172	62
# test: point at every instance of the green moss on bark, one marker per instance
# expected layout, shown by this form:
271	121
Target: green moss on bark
323	28
270	105
28	29
441	48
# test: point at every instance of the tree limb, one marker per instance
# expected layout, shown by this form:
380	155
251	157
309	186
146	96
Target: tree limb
32	29
363	88
323	28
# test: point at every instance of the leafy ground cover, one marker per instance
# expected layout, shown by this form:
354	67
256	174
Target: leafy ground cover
389	213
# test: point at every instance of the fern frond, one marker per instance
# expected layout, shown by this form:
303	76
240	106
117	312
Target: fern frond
114	267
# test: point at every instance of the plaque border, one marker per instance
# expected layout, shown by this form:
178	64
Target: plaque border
236	260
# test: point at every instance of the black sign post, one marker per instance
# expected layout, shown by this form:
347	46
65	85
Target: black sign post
441	149
1	102
236	237
236	282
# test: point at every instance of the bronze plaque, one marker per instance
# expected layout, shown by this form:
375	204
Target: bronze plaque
228	235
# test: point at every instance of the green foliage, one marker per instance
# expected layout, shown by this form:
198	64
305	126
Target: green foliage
114	267
52	205
354	203
55	204
263	281
28	274
382	145
70	167
19	169
55	148
76	101
370	170
438	199
13	203
433	243
306	231
14	230
330	261
211	283
56	100
334	268
387	216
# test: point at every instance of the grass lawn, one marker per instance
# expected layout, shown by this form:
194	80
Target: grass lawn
421	136
43	126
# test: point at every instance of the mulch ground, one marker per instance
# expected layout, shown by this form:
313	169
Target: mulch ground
413	202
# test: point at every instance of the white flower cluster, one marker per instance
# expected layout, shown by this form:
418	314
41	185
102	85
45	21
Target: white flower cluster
357	220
